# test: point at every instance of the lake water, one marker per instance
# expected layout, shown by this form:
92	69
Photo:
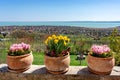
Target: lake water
89	24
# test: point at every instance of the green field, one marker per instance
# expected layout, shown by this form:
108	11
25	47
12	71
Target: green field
39	59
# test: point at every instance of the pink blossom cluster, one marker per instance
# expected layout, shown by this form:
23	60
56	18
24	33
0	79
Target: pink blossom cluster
19	47
100	49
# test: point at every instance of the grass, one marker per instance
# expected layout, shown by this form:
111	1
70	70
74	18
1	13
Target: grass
3	54
74	62
39	58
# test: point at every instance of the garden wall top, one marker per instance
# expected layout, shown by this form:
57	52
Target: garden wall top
39	72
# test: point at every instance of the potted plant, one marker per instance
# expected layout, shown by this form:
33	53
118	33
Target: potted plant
19	57
57	57
100	60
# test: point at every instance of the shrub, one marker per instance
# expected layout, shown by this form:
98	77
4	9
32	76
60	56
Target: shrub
115	45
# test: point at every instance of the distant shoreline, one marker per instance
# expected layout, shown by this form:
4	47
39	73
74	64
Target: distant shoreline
87	24
56	26
63	21
59	26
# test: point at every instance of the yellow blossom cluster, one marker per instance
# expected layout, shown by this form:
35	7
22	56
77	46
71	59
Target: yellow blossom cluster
56	39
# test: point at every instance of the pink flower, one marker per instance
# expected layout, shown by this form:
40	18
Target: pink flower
26	47
100	49
12	49
19	47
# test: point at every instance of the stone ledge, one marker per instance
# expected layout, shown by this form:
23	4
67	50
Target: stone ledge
39	72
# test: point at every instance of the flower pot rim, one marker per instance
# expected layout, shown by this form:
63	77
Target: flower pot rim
20	55
100	57
58	56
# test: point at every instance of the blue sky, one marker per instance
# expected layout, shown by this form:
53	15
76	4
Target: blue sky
59	10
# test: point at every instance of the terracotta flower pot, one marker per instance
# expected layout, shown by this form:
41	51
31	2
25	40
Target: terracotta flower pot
57	65
100	66
19	63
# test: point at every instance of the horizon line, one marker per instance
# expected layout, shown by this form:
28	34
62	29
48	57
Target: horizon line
64	21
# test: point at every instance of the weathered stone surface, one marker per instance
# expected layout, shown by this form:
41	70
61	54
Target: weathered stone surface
39	72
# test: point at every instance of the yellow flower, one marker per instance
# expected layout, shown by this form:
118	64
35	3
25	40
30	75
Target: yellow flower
55	41
68	39
49	38
65	43
65	38
54	36
46	41
60	37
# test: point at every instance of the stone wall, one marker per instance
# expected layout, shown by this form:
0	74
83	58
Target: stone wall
39	72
